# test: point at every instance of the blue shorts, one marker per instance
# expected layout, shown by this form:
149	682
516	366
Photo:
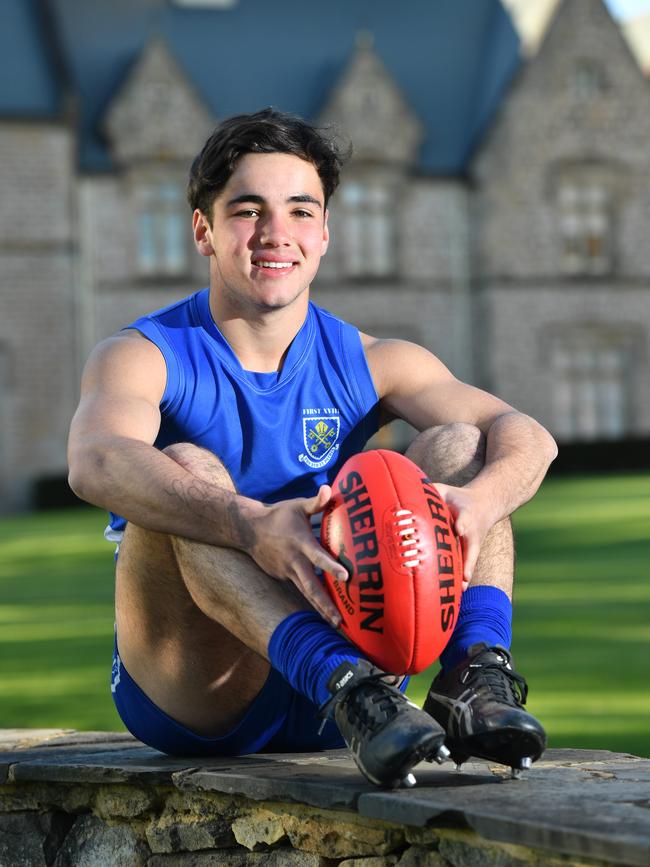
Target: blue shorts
280	720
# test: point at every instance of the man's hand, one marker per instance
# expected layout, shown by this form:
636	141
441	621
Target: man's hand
283	545
473	520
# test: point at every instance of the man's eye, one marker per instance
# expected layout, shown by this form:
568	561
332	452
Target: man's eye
247	212
302	213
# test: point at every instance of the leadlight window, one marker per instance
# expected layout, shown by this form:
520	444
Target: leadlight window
585	223
367	237
162	248
591	381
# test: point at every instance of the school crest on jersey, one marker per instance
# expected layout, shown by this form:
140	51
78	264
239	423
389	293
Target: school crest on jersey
320	434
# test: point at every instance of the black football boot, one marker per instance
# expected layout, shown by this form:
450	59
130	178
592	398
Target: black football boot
386	733
479	703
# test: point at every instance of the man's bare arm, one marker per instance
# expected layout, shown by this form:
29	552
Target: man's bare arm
114	465
415	385
110	454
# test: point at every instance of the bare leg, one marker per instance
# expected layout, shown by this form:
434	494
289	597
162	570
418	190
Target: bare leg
454	454
194	623
194	620
478	699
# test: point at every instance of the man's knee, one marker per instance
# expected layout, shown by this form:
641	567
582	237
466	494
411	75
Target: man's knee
202	463
451	453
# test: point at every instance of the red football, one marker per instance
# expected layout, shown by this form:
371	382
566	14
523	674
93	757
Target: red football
389	527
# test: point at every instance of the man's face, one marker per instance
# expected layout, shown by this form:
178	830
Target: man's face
268	233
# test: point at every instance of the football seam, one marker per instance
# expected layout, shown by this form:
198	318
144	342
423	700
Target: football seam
416	630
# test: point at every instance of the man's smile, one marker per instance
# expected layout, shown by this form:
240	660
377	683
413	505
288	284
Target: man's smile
275	267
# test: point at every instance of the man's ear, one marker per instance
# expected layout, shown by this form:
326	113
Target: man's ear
202	233
326	234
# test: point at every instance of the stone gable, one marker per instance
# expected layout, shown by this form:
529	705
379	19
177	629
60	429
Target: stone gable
157	114
547	123
561	207
368	105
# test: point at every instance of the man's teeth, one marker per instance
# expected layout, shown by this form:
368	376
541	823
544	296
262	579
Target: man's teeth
274	264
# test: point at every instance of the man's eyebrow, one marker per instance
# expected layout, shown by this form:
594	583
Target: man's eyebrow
305	197
260	200
246	197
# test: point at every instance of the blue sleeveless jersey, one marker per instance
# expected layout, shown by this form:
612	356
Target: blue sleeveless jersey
281	434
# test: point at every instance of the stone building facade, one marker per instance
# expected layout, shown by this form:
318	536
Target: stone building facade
560	217
37	303
528	272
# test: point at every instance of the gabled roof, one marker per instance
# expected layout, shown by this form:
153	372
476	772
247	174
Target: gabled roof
367	103
156	112
452	59
568	10
31	77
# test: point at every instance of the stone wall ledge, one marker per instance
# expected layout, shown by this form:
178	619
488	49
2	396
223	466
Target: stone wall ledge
89	799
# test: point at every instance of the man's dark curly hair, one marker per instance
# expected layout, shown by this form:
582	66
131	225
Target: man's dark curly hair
264	132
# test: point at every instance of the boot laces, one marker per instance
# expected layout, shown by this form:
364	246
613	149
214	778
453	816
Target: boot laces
505	684
369	701
373	702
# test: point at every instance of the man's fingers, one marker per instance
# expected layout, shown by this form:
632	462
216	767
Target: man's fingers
313	592
316	504
470	556
324	561
462	509
318	556
441	488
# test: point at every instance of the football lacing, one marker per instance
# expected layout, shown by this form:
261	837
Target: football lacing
405	521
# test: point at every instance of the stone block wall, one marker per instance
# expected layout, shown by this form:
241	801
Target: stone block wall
72	825
36	167
521	325
74	799
37	313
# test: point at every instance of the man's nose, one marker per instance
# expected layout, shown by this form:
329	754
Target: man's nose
274	230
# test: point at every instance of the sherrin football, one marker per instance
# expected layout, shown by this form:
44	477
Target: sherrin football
388	525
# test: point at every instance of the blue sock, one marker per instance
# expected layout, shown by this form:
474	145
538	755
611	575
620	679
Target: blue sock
305	649
485	615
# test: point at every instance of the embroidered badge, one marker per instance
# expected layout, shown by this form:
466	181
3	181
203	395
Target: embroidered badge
320	435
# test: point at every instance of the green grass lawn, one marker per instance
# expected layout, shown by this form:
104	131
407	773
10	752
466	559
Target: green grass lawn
582	611
56	621
582	615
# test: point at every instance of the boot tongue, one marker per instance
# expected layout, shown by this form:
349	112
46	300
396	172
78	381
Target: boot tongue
340	677
477	649
348	673
490	654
